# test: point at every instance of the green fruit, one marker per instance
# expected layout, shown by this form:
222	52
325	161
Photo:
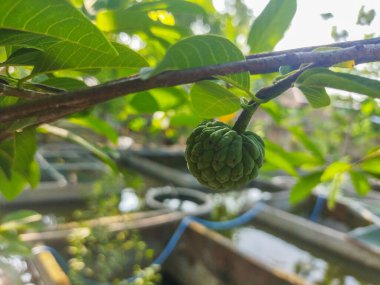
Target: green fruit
221	158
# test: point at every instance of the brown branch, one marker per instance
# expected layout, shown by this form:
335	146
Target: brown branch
311	48
55	107
6	90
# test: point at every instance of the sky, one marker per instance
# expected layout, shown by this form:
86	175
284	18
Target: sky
308	27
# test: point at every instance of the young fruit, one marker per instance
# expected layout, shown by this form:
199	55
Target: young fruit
221	158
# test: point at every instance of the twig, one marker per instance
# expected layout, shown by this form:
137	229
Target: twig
6	90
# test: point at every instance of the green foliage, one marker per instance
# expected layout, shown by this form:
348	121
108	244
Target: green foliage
53	19
56	54
218	100
360	182
17	166
63	46
164	21
270	26
202	50
96	151
12	225
304	186
314	80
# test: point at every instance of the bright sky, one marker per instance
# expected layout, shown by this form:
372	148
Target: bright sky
308	28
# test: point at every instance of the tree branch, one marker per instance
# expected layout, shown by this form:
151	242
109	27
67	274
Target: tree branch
6	90
55	107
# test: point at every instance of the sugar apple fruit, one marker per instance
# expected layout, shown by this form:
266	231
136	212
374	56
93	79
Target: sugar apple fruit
221	158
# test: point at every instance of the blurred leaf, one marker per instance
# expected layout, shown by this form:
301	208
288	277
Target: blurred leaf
171	19
327	16
307	142
304	187
97	125
273	109
360	182
62	55
169	98
304	160
183	118
25	147
202	50
270	26
365	18
371	165
12	245
211	100
34	174
278	157
11	187
159	99
19	215
322	77
335	189
335	168
97	152
64	83
316	96
56	19
6	158
143	102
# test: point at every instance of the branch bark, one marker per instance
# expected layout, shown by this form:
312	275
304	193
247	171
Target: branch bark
52	108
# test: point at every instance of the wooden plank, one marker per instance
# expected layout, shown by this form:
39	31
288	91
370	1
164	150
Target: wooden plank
317	235
59	236
206	257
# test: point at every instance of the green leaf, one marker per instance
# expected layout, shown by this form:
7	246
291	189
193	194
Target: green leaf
97	125
304	187
335	168
64	83
270	26
6	158
360	182
300	136
200	51
97	152
11	188
322	77
61	55
56	19
335	190
143	102
211	100
23	216
168	20
304	159
23	56
371	165
24	148
316	96
160	99
279	158
34	174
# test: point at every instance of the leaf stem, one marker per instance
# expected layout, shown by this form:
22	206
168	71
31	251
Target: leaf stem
265	94
245	117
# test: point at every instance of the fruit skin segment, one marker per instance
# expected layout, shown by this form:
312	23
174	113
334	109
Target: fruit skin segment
221	158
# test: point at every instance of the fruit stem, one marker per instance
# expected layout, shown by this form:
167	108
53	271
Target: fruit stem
245	117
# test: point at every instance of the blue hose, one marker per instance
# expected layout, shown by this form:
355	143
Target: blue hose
223	225
318	209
